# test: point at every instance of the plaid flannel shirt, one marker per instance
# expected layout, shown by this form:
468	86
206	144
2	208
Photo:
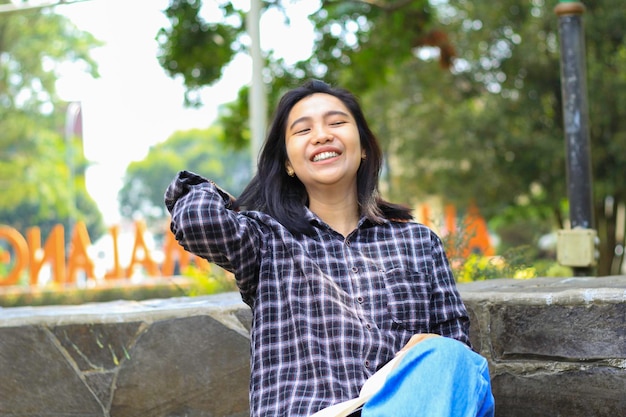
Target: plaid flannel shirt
328	311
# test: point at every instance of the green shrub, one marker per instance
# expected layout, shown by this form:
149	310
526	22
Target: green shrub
194	282
209	280
517	263
55	294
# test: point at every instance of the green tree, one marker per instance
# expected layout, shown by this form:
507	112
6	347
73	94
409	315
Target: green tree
197	150
41	171
466	98
198	50
505	134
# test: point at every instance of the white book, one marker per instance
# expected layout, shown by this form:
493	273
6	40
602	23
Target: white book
371	387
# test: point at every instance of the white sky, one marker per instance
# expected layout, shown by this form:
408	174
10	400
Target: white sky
134	104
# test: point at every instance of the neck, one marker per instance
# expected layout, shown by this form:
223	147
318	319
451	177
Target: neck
339	210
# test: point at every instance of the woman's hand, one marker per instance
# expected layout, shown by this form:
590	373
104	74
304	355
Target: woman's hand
415	339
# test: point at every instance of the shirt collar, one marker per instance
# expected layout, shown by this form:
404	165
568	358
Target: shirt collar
313	219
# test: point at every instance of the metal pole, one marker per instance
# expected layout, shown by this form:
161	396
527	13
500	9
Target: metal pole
72	115
256	100
575	117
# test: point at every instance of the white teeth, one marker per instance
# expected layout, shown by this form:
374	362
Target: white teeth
324	155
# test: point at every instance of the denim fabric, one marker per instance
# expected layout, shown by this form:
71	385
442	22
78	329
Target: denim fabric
438	377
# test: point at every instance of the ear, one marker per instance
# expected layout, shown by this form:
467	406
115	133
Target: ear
289	169
363	154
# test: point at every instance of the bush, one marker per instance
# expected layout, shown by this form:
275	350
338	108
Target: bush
209	280
516	263
55	294
195	281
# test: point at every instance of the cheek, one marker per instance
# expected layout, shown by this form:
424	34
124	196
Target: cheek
293	149
287	144
289	152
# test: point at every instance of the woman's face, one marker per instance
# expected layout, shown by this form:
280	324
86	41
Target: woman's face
322	140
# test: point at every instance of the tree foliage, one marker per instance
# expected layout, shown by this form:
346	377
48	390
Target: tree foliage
197	49
41	171
513	151
466	99
197	150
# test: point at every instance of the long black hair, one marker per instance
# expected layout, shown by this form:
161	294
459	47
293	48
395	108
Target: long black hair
283	197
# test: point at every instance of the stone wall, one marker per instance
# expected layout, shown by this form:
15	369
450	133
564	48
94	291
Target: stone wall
556	347
183	357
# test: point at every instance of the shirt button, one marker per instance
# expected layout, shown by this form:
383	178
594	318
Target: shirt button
367	364
360	299
368	326
355	269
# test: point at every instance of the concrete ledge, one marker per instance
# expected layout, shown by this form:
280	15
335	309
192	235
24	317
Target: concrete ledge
174	357
556	347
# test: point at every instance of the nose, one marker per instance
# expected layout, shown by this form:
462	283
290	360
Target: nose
322	135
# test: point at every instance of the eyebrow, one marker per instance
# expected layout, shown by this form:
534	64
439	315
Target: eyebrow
327	114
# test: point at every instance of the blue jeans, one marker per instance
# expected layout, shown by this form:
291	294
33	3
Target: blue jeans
438	377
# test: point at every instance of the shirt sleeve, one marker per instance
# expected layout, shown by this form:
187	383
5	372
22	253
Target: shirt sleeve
205	225
448	313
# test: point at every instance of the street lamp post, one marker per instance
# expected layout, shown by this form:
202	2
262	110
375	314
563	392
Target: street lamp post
576	247
257	99
72	124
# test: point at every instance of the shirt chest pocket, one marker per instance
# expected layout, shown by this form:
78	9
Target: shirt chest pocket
408	299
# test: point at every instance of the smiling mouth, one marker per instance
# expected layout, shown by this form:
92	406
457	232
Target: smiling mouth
324	155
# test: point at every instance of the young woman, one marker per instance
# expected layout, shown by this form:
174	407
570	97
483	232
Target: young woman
338	279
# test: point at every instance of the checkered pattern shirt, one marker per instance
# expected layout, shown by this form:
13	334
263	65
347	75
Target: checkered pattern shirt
328	311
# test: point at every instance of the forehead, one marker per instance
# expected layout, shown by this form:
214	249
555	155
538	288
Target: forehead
317	104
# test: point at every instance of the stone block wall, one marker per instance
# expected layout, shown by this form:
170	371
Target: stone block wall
183	357
556	347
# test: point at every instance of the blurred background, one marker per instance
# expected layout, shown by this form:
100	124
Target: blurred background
103	101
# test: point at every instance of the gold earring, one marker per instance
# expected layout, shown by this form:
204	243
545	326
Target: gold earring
291	172
363	156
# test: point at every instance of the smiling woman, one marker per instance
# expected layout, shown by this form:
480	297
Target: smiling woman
324	152
339	279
